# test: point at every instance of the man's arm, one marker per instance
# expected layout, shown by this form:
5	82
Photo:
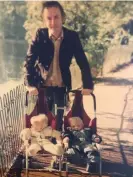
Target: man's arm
29	64
83	64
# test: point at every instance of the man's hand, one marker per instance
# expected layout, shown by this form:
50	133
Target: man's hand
32	90
86	91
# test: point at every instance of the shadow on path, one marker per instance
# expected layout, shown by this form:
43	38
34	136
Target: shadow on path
115	81
118	154
122	66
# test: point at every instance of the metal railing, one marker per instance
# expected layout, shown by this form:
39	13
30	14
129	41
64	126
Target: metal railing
11	123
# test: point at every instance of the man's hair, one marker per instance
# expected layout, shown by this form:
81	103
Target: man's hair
48	4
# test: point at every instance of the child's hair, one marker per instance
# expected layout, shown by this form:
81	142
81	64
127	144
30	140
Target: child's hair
75	120
39	118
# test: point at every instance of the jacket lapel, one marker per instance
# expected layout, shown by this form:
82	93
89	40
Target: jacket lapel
63	43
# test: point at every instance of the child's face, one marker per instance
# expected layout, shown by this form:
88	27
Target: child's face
39	126
76	126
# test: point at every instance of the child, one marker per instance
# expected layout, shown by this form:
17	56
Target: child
39	136
78	139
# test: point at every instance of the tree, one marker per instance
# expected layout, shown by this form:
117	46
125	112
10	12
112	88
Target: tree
33	19
12	19
99	23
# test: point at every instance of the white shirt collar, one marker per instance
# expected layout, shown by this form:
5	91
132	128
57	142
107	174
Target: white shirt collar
52	36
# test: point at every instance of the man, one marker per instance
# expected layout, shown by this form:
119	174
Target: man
49	57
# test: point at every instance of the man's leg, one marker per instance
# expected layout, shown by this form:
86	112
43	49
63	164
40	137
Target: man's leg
60	101
50	97
56	95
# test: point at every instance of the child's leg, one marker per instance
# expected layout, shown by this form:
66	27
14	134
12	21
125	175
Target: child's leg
55	149
88	150
33	149
91	165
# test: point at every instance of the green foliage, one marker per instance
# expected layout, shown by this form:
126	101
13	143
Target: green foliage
33	19
12	18
99	24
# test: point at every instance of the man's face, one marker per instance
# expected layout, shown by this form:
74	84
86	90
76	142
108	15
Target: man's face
53	19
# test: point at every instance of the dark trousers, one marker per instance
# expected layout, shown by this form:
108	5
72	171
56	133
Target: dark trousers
56	95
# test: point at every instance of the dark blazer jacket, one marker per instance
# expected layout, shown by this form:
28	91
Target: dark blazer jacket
41	51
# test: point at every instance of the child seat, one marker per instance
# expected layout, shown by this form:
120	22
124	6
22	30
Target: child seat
77	109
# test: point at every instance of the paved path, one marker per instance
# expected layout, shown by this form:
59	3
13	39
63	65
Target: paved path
115	121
